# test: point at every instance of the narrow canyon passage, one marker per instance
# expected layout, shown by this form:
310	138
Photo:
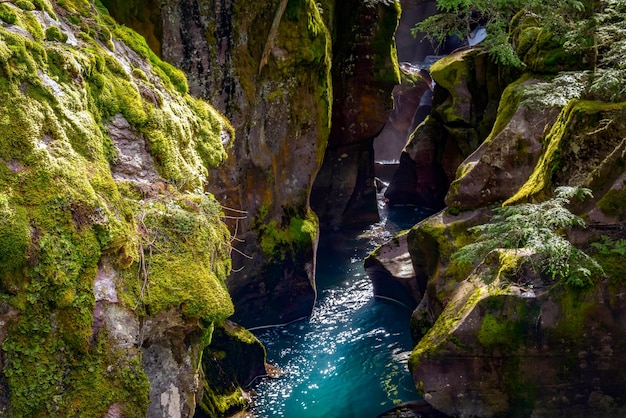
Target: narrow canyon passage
349	358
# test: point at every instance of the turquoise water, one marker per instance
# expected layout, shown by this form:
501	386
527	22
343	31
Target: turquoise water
349	358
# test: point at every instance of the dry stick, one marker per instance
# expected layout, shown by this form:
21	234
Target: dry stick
273	33
234	210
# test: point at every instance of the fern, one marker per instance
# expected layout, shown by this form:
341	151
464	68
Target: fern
538	227
459	17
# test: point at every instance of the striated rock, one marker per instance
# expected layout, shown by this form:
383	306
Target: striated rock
408	97
391	272
364	73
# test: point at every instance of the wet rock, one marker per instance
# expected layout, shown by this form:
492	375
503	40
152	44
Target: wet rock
496	340
413	409
402	120
390	269
364	72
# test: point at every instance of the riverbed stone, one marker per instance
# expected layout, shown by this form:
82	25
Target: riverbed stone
390	269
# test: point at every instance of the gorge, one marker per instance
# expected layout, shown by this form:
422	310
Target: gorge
176	173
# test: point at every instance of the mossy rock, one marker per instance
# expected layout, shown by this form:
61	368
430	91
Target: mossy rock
233	360
54	34
62	213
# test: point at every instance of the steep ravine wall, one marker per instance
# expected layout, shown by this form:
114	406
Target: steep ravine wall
267	67
498	338
113	258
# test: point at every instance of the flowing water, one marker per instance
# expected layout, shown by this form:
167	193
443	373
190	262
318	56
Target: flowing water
349	358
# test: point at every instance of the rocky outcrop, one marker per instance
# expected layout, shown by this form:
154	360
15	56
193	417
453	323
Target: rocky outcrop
232	362
507	157
499	338
365	71
391	272
267	68
465	101
518	346
112	258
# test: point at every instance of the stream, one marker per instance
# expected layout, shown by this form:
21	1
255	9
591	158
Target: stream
349	358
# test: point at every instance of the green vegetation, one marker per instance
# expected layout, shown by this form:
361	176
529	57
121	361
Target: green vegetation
559	19
54	34
278	240
185	257
608	246
62	215
537	228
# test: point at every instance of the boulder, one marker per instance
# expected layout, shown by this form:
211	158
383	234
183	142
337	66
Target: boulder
391	272
464	107
504	161
509	344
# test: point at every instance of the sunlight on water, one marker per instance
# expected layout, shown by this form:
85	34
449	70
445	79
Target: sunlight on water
347	360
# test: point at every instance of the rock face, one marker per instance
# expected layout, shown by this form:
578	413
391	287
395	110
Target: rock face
112	259
464	109
267	68
499	339
364	73
392	274
233	360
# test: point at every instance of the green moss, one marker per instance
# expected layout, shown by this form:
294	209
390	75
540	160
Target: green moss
574	311
170	74
186	257
61	214
25	5
54	34
7	14
44	5
612	203
539	184
497	332
294	232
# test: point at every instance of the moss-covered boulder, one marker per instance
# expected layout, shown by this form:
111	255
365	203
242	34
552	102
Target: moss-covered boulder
508	345
464	109
112	258
504	161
